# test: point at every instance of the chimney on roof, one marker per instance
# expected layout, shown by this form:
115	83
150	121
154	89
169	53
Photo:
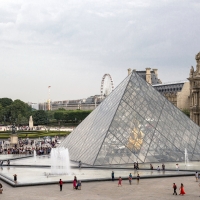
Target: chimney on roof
148	75
129	71
156	72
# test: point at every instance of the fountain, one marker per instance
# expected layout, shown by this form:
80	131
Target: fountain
34	155
186	157
60	163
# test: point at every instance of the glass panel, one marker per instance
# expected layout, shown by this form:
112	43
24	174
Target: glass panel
134	123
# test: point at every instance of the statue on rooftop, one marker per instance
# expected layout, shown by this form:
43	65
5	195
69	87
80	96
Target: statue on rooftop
197	57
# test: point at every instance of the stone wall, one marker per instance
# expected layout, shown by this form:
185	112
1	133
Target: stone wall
183	97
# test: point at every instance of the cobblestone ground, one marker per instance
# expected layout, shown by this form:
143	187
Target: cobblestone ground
147	189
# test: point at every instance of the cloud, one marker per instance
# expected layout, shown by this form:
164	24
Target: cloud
78	41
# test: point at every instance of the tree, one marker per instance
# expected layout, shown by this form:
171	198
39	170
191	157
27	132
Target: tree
21	120
39	117
76	115
14	111
1	113
5	102
59	116
17	108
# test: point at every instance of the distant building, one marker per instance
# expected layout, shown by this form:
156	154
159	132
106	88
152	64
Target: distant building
195	91
89	103
176	92
150	76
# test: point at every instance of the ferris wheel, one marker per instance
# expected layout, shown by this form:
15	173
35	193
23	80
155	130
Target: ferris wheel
107	85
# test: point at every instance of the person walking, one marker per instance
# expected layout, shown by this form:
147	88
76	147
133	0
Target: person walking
182	191
197	176
60	183
74	182
137	165
199	186
134	164
138	179
8	162
177	167
1	188
113	175
120	181
15	178
163	167
130	178
80	164
174	187
151	166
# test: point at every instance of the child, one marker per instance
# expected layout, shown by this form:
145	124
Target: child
138	179
174	187
120	181
78	186
130	178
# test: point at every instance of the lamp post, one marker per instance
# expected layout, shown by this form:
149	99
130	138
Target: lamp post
14	136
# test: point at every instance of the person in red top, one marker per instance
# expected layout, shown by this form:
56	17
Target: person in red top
182	191
120	181
60	183
74	182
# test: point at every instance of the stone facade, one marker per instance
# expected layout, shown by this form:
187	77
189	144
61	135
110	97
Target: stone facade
195	91
89	103
172	97
177	92
183	97
150	76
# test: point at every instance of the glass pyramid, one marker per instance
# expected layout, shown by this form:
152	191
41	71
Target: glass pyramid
134	123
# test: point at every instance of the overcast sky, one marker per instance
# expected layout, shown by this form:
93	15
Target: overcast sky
71	44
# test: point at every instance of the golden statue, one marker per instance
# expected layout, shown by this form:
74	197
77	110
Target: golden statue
136	139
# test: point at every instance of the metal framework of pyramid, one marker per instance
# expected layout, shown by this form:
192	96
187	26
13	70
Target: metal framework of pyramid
134	123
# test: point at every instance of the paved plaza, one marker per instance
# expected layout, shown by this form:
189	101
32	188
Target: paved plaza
160	188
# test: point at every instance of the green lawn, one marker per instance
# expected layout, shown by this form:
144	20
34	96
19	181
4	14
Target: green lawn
34	134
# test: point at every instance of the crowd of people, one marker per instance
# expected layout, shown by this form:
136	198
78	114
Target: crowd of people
158	168
163	167
36	128
27	146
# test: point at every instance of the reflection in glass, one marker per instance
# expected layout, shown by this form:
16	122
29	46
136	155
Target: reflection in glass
134	123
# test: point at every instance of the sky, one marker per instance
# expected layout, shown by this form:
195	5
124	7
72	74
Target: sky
70	44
